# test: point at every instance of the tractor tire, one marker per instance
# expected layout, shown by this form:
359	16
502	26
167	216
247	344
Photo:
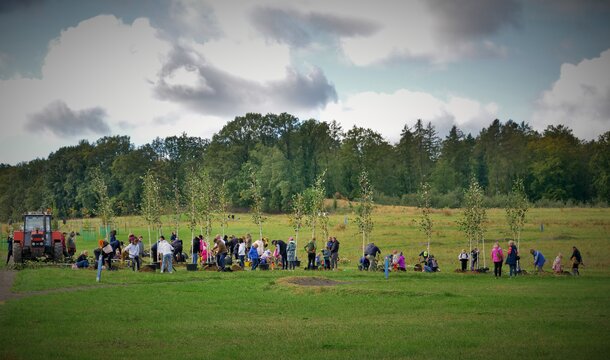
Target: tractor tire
58	252
17	253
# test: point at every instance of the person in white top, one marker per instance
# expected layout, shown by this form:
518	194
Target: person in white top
166	251
134	253
241	252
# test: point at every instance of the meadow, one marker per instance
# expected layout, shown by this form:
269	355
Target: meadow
64	313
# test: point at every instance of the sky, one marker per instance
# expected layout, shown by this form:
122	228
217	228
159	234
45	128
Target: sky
83	69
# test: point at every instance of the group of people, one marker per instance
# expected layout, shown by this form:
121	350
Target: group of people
396	260
512	259
259	254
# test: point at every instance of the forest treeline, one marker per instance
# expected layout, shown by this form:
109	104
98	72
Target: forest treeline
287	155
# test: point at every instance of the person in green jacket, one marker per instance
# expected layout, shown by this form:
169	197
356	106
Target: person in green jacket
310	248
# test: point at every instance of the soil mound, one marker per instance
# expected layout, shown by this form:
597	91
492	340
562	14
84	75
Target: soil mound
310	281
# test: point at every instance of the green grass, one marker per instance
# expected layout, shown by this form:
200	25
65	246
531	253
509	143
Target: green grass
256	315
240	315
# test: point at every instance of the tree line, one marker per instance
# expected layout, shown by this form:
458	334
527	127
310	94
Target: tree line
287	154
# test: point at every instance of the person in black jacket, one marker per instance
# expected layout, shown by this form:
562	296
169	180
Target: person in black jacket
10	248
576	261
196	244
281	244
334	253
370	253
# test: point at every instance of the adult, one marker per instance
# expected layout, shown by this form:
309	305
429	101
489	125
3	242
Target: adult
134	254
497	256
281	247
196	245
291	250
260	247
141	246
248	241
310	248
173	237
463	258
241	252
82	262
422	258
539	260
253	255
329	243
334	254
576	259
474	259
9	240
177	245
154	253
221	253
71	244
370	253
166	251
511	258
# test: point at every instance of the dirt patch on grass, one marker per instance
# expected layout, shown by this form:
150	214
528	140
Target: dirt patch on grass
309	281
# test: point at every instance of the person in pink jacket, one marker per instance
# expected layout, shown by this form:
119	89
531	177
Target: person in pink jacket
497	256
204	252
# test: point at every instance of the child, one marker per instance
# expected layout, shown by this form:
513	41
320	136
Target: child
319	260
326	255
401	262
82	262
557	267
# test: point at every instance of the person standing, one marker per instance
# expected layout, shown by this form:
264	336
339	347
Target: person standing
221	253
310	248
334	254
401	265
576	259
141	246
511	258
71	244
9	240
474	259
134	254
196	245
281	246
253	255
166	251
463	257
291	250
497	256
241	252
539	260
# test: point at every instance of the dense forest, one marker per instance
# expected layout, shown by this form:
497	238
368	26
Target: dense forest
287	154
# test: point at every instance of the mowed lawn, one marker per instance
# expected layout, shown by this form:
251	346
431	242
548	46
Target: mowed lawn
63	313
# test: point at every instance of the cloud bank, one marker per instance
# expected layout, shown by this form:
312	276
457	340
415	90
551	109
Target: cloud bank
58	118
580	98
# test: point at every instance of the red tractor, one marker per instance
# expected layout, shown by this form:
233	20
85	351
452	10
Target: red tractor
36	239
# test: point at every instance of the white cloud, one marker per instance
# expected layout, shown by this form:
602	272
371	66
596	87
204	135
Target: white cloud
579	99
102	63
387	113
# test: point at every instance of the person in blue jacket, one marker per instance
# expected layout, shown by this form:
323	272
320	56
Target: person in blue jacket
538	259
253	255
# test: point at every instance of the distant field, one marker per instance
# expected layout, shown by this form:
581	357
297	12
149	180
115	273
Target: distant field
396	228
63	313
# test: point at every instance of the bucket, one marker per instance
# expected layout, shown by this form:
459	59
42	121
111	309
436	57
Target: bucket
191	267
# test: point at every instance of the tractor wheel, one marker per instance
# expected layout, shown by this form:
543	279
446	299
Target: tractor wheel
58	253
17	252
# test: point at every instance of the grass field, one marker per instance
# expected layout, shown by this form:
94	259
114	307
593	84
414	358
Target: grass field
63	313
